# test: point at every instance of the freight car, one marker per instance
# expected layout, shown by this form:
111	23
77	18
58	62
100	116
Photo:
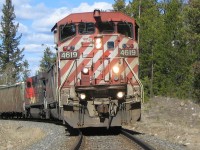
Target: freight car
12	100
94	81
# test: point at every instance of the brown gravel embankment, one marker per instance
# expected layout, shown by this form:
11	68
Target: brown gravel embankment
177	121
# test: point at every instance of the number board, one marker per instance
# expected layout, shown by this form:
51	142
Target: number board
68	55
128	52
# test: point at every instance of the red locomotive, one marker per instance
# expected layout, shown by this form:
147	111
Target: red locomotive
94	82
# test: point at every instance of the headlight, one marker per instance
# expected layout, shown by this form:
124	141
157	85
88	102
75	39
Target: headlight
85	70
116	78
98	43
120	95
82	96
116	69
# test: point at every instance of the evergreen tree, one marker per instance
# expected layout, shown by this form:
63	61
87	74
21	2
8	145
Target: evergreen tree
48	60
120	5
192	39
150	21
25	70
196	83
133	9
10	55
172	60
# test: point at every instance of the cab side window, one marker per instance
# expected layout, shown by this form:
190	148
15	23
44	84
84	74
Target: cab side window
125	28
106	27
86	28
28	84
67	31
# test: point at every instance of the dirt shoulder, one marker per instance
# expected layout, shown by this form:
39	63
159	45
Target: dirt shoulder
16	136
171	119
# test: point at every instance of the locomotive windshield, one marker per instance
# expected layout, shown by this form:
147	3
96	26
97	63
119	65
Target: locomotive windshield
125	28
67	31
86	28
106	27
28	84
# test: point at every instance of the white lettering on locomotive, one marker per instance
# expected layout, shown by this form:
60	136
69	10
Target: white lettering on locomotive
128	52
69	55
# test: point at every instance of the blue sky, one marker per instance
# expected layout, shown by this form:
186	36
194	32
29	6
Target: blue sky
37	17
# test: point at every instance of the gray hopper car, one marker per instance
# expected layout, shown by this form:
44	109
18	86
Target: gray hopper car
12	100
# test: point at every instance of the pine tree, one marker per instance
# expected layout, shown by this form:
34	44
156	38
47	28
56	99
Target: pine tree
10	55
48	60
25	70
192	39
167	71
133	9
150	22
120	5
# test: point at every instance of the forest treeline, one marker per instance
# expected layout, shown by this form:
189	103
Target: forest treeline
169	41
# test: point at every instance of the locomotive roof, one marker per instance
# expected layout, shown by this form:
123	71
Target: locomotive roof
89	17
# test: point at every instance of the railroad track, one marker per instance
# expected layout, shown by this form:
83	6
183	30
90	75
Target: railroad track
140	142
121	139
79	141
102	138
95	139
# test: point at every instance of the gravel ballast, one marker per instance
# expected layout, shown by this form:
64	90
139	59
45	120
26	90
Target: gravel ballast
29	135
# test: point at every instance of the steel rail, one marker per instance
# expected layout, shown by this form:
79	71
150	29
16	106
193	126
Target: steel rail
140	142
78	143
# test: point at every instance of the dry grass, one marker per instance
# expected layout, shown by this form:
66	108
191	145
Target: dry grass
18	137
